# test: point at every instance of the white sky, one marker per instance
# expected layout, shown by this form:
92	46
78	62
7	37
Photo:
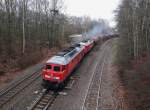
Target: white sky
94	8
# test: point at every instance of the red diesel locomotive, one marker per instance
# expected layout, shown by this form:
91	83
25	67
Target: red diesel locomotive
60	66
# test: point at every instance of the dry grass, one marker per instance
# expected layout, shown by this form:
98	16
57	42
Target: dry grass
136	82
10	69
134	78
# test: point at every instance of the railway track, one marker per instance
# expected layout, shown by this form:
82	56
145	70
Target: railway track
47	97
7	94
91	99
92	96
44	100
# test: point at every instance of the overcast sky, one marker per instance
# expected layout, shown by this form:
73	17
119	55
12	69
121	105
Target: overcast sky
94	8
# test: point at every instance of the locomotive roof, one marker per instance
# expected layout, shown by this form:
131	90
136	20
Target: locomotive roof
66	55
57	60
66	51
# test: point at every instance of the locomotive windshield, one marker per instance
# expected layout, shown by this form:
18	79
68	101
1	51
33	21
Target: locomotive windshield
48	67
56	68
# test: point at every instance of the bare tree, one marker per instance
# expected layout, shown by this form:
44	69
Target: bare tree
133	26
23	27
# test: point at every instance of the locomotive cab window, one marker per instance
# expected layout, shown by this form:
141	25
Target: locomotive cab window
56	68
48	67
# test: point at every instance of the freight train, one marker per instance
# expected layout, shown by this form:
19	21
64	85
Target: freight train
58	68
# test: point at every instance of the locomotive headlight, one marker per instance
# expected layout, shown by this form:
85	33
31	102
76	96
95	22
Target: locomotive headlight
47	76
56	78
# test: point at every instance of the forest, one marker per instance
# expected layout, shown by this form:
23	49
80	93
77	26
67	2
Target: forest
29	28
133	52
133	19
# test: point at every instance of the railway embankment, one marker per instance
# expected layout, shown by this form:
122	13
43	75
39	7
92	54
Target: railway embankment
15	73
132	83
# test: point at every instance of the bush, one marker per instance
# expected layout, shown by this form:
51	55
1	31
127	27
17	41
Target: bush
29	59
